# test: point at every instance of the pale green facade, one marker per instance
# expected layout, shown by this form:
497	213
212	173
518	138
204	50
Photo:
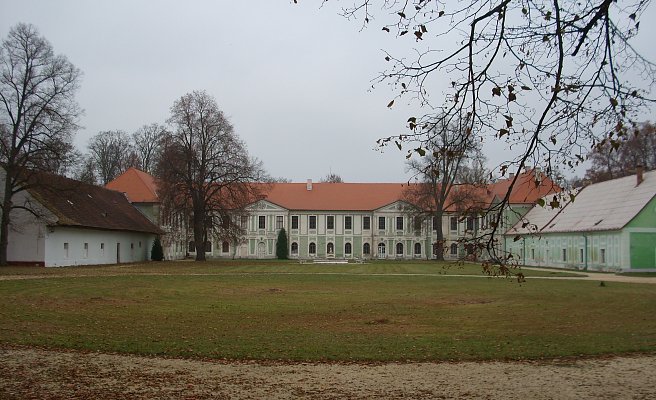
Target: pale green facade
389	232
632	248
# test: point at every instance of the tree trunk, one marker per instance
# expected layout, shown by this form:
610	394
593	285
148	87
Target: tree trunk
4	220
439	236
199	232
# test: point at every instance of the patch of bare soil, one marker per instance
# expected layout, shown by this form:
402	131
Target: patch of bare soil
30	373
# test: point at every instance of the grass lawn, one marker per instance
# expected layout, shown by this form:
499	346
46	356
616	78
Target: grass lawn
276	310
271	267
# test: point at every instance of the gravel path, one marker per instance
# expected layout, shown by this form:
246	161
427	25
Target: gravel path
30	373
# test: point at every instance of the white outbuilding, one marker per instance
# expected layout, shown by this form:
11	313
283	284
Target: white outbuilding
73	223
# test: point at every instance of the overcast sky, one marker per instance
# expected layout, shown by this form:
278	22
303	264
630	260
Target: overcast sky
294	80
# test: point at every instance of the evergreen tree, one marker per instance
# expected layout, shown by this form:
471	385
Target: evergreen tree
157	253
282	250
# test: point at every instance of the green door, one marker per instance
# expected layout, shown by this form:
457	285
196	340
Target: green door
643	250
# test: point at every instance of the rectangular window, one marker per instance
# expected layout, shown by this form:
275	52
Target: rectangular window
564	254
366	223
102	249
581	255
294	221
312	222
348	222
454	223
435	221
417	224
381	223
66	250
470	223
399	223
602	255
279	222
225	247
261	222
244	221
330	222
86	250
533	254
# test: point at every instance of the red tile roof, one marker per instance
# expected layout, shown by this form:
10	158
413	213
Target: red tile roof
335	196
139	186
529	187
88	206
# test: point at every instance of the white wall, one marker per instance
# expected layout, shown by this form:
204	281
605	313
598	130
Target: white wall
27	232
134	247
26	240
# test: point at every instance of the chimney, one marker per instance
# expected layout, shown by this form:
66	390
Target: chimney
639	170
309	184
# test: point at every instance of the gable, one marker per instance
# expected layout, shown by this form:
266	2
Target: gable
396	207
264	205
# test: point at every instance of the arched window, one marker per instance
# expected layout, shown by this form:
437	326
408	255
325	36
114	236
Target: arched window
417	249
225	247
192	247
366	249
294	248
454	249
399	249
347	249
381	249
330	248
312	248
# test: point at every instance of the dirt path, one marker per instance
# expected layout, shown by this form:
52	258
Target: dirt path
28	373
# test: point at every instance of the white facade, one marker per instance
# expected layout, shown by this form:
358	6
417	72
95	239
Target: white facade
389	232
66	246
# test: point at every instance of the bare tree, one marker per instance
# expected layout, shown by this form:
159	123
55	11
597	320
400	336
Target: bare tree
112	153
38	116
147	143
85	170
549	78
618	158
205	170
332	178
454	159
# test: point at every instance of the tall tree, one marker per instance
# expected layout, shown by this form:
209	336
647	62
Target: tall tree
547	77
38	115
147	143
282	248
112	153
446	174
619	157
205	169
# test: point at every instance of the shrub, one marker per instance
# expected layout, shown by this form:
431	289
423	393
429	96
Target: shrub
157	253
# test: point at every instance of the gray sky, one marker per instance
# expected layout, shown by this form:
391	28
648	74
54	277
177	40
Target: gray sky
294	80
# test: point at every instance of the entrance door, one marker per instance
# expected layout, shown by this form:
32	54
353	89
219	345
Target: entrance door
261	250
118	253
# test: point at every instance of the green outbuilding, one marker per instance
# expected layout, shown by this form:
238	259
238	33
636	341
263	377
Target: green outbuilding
607	226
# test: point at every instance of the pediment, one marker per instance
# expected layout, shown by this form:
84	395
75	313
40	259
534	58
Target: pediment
264	205
396	207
